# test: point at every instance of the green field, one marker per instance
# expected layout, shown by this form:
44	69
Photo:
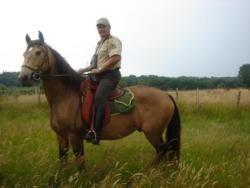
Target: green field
215	151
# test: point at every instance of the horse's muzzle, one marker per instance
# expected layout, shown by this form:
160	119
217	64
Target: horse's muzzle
25	80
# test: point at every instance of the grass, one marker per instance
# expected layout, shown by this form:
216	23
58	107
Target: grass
215	150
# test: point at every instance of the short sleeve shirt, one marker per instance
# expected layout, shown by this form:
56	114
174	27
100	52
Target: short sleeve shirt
108	48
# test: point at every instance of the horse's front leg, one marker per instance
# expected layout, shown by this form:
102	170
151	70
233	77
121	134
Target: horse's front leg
76	141
63	143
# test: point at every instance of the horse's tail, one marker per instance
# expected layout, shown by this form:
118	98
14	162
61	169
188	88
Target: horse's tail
173	134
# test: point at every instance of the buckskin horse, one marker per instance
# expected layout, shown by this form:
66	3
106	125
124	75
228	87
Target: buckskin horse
155	111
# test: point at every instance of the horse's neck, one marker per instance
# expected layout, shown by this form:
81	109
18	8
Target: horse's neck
56	93
55	90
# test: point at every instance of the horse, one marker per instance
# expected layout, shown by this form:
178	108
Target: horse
155	111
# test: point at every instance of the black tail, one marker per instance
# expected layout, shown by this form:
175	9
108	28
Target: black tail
173	133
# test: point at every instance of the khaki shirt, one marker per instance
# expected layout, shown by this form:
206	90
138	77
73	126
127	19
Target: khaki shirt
110	47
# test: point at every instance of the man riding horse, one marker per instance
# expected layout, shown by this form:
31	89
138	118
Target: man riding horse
61	87
104	69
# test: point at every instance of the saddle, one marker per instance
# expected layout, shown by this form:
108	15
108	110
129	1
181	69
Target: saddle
88	89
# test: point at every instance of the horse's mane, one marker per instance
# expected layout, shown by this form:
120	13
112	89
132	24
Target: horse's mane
71	78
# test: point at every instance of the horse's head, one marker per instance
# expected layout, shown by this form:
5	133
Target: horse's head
36	60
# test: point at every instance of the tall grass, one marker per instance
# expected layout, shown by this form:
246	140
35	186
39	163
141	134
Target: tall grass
214	151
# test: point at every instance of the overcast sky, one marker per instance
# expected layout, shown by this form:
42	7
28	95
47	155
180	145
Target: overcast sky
160	37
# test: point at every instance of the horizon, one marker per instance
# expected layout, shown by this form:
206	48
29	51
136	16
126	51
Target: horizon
154	75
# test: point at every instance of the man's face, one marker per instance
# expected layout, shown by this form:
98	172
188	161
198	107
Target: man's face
103	30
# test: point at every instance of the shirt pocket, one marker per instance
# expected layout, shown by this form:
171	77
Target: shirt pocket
103	52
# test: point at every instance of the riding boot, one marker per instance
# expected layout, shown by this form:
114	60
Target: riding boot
99	121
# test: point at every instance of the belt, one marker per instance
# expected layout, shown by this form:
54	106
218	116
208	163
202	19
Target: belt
115	69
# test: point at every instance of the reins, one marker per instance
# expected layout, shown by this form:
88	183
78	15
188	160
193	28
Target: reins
37	76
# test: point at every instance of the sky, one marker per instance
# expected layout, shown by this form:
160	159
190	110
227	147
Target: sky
160	37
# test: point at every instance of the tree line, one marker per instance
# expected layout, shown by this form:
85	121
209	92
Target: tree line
9	79
183	82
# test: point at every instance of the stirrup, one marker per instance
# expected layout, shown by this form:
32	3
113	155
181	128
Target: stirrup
90	136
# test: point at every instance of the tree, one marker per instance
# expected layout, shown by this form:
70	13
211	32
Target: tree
9	79
244	74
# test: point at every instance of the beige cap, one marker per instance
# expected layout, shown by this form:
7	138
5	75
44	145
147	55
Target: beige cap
103	21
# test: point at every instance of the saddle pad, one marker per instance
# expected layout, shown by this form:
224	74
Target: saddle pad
124	103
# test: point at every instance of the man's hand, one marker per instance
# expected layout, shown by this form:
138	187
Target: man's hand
95	71
81	70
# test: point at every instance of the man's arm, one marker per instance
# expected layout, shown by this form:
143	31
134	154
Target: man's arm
86	69
110	63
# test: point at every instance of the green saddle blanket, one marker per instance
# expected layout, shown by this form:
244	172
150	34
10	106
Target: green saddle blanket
123	104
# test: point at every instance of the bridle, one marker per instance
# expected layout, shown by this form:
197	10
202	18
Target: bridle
37	73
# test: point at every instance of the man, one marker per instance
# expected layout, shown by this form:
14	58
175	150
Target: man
106	70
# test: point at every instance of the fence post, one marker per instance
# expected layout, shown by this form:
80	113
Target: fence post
176	95
39	95
238	99
197	99
16	96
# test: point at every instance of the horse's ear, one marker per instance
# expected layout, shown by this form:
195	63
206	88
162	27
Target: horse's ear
41	38
28	40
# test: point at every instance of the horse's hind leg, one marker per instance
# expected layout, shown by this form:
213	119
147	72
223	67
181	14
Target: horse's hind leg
77	145
63	143
155	138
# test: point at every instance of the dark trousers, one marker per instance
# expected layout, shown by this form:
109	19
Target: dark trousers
107	83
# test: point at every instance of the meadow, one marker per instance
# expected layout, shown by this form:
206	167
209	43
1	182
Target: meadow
215	147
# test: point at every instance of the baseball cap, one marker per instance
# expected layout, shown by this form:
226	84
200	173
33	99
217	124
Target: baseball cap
103	21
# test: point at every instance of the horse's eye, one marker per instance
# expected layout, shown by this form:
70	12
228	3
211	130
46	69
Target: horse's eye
38	53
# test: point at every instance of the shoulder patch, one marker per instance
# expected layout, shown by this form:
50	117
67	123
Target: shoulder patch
113	46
